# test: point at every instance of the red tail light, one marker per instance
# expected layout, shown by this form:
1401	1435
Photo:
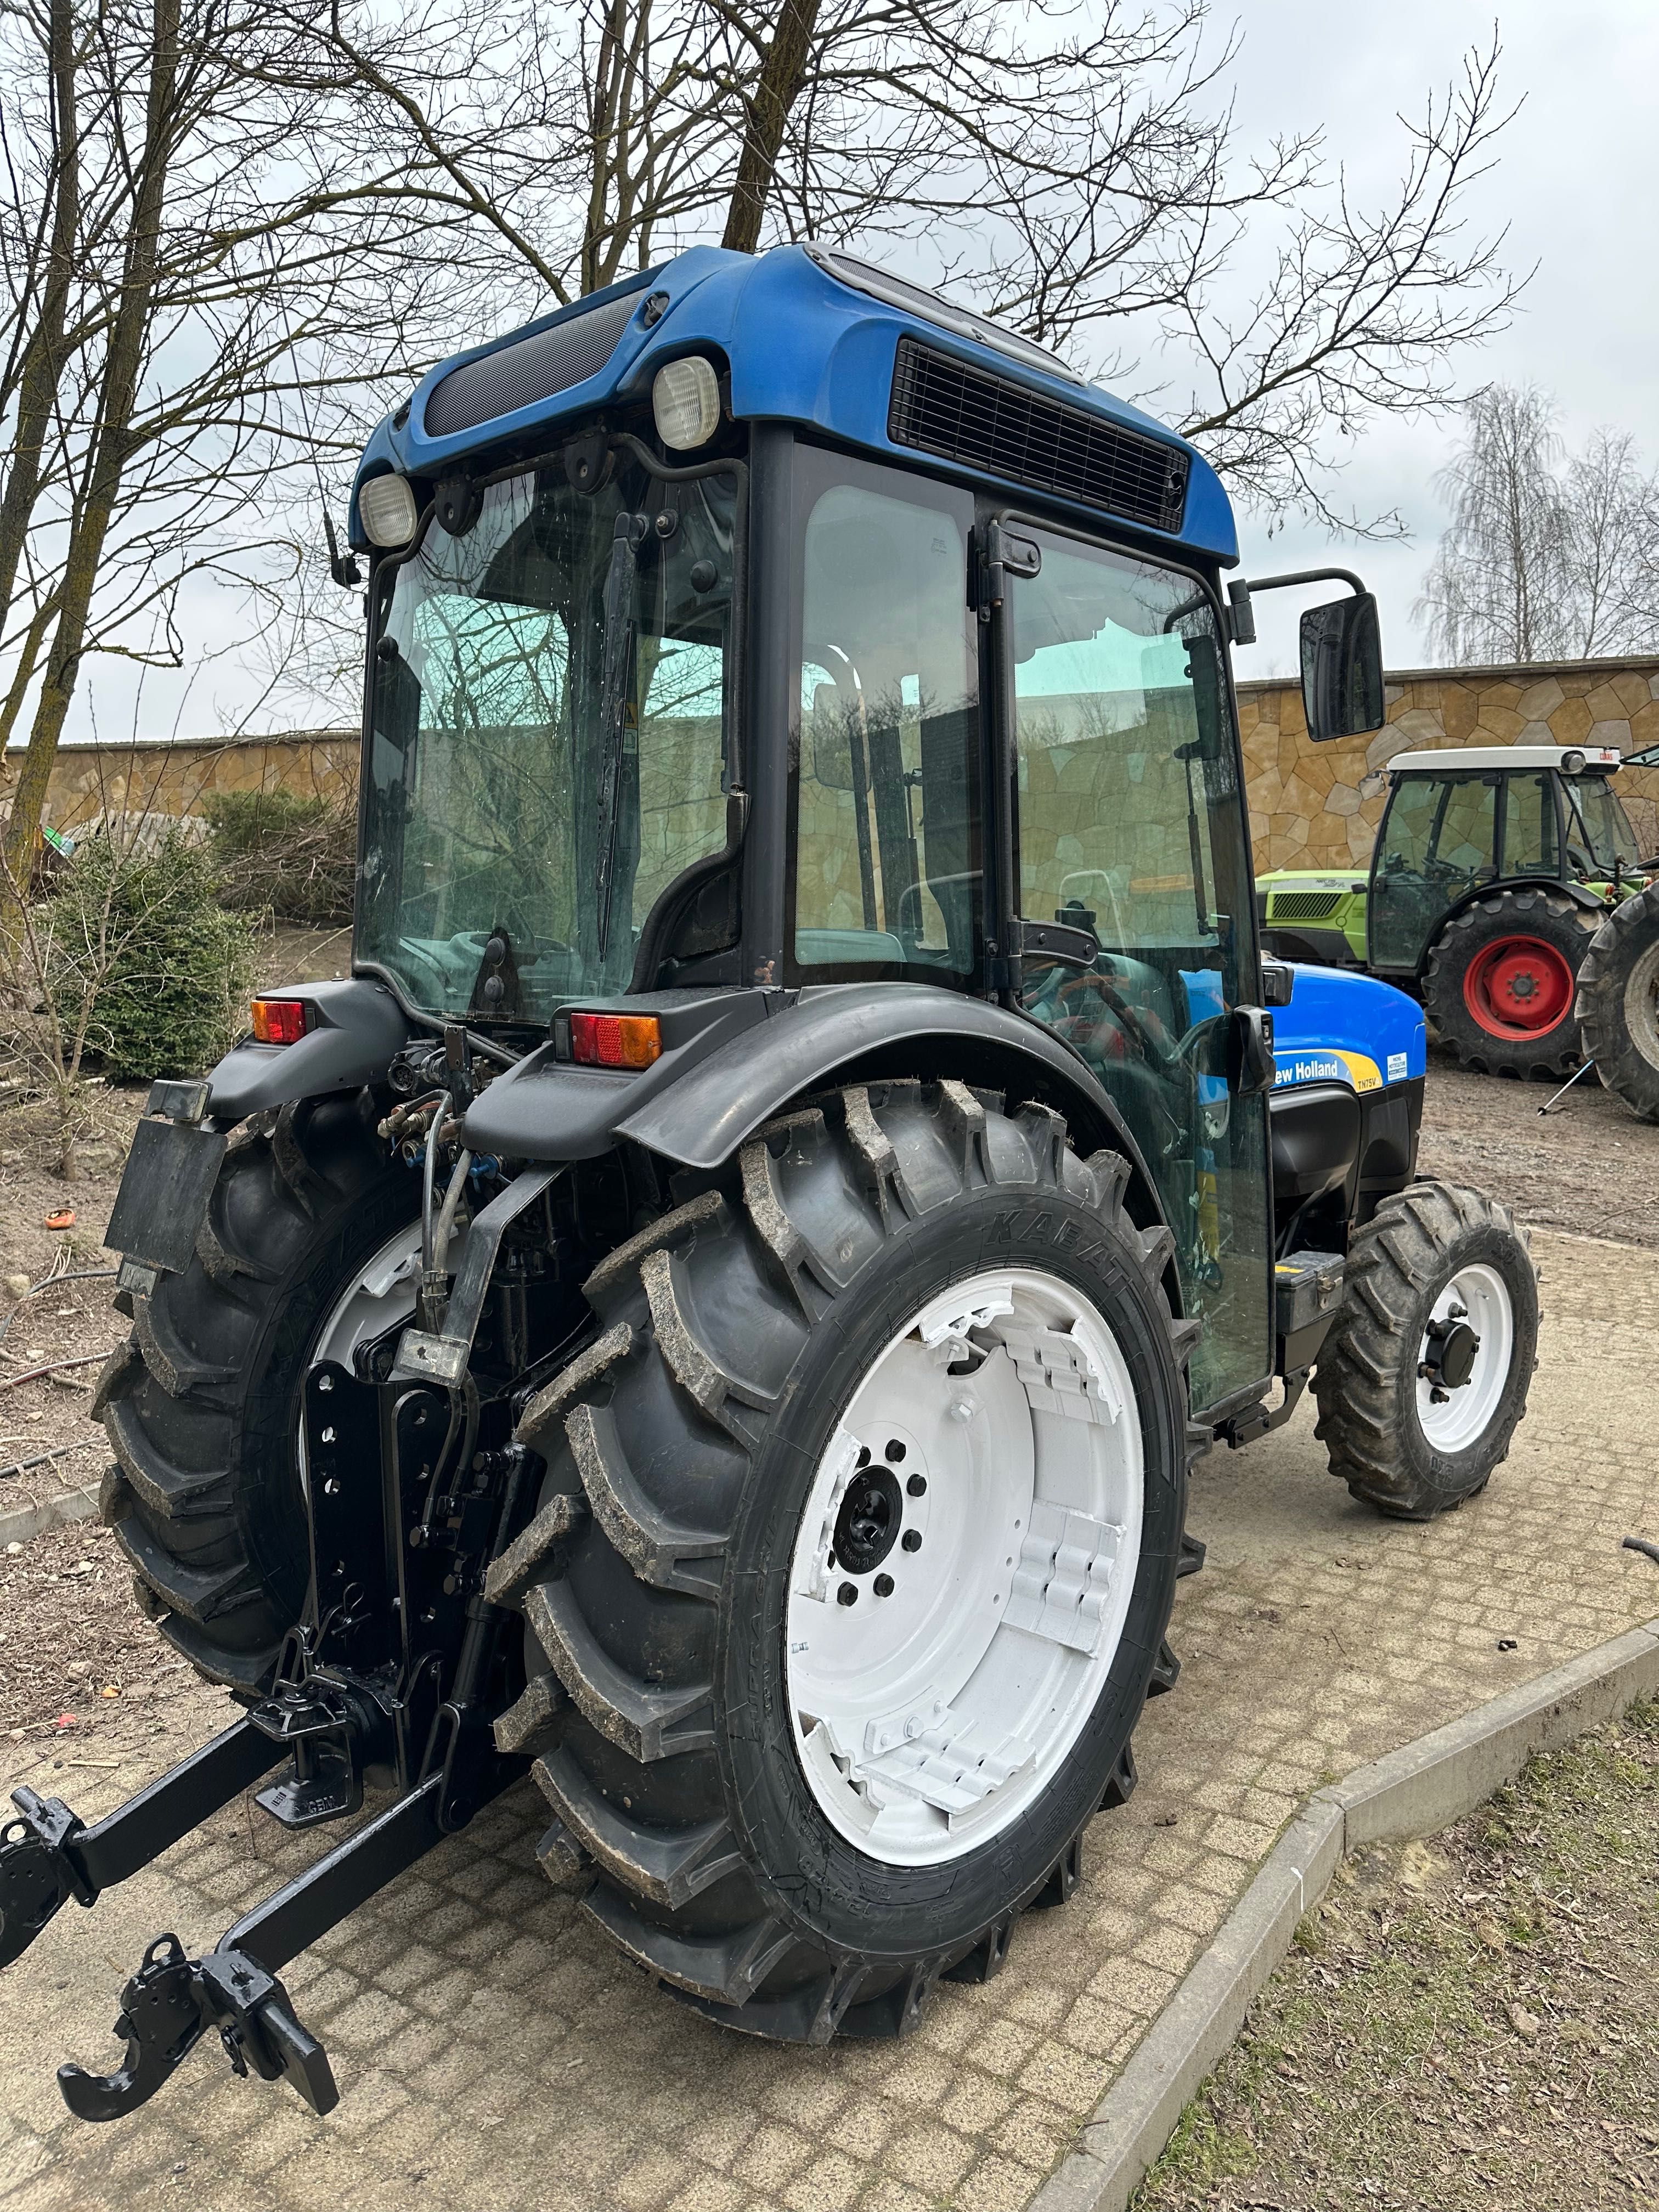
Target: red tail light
281	1021
615	1040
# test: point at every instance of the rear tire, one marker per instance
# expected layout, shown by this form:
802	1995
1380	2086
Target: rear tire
1500	980
683	1450
1434	1266
201	1404
1619	1003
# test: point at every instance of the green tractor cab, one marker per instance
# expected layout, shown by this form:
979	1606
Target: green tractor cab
1494	868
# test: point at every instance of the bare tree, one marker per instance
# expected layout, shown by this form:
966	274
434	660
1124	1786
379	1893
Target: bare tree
1546	556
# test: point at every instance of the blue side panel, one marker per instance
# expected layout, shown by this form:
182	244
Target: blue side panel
801	348
1343	1028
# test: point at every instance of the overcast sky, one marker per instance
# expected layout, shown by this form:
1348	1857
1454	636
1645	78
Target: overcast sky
1577	182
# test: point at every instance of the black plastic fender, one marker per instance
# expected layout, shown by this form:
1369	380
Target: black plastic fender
838	1032
357	1026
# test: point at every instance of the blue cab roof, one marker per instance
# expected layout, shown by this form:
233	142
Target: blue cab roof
803	347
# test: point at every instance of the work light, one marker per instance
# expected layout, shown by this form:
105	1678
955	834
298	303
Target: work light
685	399
386	504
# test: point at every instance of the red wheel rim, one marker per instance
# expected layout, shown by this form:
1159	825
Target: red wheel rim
1518	986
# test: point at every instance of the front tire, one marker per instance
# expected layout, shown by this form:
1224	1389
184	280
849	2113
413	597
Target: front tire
1619	1003
712	1436
1500	981
1414	1414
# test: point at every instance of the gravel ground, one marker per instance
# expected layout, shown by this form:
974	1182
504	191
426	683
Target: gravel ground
1472	2021
1588	1167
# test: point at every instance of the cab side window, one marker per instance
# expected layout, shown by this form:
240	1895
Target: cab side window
1530	840
885	861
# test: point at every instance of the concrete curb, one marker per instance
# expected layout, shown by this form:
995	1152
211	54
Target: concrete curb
26	1521
1423	1787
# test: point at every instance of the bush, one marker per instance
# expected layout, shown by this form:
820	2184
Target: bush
278	853
144	952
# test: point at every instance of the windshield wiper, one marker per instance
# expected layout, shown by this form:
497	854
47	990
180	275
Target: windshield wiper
615	684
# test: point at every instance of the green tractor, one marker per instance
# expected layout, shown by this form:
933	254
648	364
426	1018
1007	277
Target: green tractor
1507	890
711	1322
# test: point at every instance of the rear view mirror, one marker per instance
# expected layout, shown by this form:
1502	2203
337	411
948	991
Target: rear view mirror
1342	668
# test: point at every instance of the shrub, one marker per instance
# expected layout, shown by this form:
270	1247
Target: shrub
144	953
278	853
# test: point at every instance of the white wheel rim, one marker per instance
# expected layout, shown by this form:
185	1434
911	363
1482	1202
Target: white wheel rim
1642	1005
1453	1421
929	1718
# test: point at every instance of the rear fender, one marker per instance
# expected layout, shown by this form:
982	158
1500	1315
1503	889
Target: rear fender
832	1034
357	1026
1567	887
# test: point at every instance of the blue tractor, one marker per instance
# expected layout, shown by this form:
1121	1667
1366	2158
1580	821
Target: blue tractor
718	1312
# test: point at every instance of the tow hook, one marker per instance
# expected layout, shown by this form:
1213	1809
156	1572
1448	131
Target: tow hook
169	2005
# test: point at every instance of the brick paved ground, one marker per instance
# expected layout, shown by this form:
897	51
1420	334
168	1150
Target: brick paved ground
493	2051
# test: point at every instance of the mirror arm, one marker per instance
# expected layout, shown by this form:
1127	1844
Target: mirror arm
1304	576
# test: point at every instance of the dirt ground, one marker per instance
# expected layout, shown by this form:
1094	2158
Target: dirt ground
1588	1167
1473	2020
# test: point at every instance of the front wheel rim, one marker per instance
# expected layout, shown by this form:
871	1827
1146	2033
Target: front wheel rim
1452	1419
982	1499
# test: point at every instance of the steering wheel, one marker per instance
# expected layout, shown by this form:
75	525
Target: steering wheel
1129	1018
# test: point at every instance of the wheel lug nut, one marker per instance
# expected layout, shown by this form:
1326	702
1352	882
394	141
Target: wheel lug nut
917	1486
883	1585
847	1594
912	1540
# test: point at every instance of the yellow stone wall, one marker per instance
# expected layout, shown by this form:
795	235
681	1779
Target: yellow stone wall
155	777
1312	807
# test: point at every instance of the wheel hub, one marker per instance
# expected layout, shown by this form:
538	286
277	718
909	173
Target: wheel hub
1451	1348
1519	987
868	1526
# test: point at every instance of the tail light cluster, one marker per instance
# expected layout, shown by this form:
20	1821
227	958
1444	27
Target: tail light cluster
615	1040
282	1021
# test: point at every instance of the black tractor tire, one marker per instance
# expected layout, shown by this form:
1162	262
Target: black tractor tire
1552	934
681	1449
1367	1379
201	1404
1619	1003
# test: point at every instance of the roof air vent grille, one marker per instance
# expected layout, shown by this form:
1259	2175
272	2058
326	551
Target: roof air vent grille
941	406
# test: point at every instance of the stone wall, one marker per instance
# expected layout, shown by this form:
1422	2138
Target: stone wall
1317	807
160	777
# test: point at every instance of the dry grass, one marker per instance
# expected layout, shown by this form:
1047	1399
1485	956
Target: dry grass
1469	2021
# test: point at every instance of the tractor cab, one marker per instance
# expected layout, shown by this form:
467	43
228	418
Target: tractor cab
1460	825
1493	867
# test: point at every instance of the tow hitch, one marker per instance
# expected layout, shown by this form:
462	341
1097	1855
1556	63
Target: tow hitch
172	2000
391	1681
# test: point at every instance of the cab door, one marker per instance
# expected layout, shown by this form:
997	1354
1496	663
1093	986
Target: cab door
1130	823
1438	840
